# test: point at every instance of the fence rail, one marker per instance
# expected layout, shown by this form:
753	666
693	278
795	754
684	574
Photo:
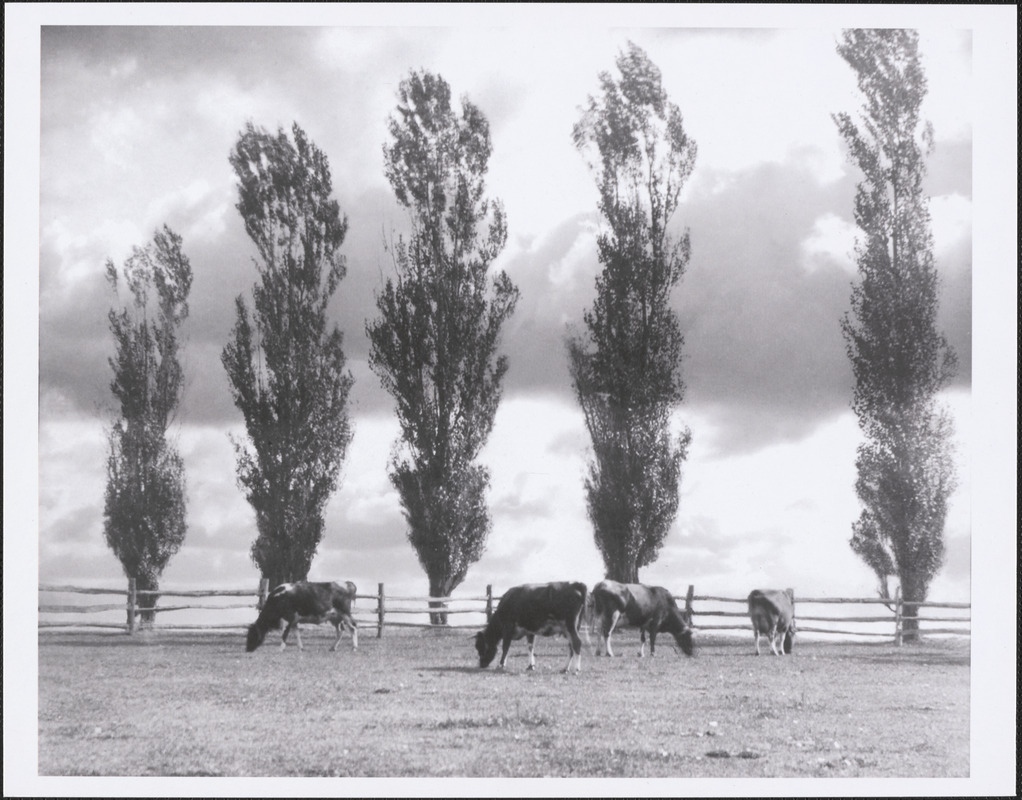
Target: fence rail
382	614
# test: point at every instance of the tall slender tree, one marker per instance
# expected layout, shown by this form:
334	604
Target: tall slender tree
434	343
899	359
285	364
144	510
626	365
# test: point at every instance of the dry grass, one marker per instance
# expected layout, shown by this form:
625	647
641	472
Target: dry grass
416	704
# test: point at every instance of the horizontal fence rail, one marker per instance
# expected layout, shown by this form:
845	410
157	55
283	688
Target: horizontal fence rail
401	611
879	625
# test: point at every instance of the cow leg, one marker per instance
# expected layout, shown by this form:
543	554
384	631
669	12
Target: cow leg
291	623
755	636
505	645
531	640
610	623
346	623
773	639
652	643
298	634
642	643
574	649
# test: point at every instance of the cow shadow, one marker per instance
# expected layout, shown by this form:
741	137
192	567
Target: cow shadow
463	670
492	670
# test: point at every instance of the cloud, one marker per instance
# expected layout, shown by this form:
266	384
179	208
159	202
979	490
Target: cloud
958	559
769	209
951	219
763	345
754	228
554	274
832	241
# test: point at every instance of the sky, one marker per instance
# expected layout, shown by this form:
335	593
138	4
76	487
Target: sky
135	126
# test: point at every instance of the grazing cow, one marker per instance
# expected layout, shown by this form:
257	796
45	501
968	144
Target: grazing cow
773	614
651	609
305	602
542	609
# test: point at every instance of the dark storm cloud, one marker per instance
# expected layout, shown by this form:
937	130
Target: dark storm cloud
761	329
763	352
74	347
534	338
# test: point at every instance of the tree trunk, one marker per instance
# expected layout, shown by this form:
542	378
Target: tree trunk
438	587
910	613
272	578
910	624
142	583
626	571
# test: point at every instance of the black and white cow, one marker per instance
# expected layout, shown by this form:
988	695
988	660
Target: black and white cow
652	609
530	610
773	614
305	602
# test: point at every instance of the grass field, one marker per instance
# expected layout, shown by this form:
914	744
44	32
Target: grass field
416	704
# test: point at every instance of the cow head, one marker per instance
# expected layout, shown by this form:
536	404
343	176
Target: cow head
684	640
487	649
255	637
679	625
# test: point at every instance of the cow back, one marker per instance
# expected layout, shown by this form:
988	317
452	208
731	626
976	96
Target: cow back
531	606
773	603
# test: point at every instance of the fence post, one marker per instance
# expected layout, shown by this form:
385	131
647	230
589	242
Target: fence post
688	602
264	592
131	606
897	617
380	611
489	602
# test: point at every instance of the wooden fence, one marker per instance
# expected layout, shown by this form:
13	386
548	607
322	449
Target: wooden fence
394	611
877	624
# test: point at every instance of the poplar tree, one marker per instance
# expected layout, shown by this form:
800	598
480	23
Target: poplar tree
434	343
899	359
284	361
144	508
626	364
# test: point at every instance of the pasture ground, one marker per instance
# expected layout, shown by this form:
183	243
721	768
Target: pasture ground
415	703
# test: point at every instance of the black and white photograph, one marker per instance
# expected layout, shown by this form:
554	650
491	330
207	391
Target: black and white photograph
510	400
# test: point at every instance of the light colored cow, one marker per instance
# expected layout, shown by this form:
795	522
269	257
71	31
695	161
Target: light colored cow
773	614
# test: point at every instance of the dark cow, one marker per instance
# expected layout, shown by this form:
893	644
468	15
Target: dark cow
652	609
773	614
305	602
530	610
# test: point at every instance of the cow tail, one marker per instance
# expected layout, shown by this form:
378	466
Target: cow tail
583	590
